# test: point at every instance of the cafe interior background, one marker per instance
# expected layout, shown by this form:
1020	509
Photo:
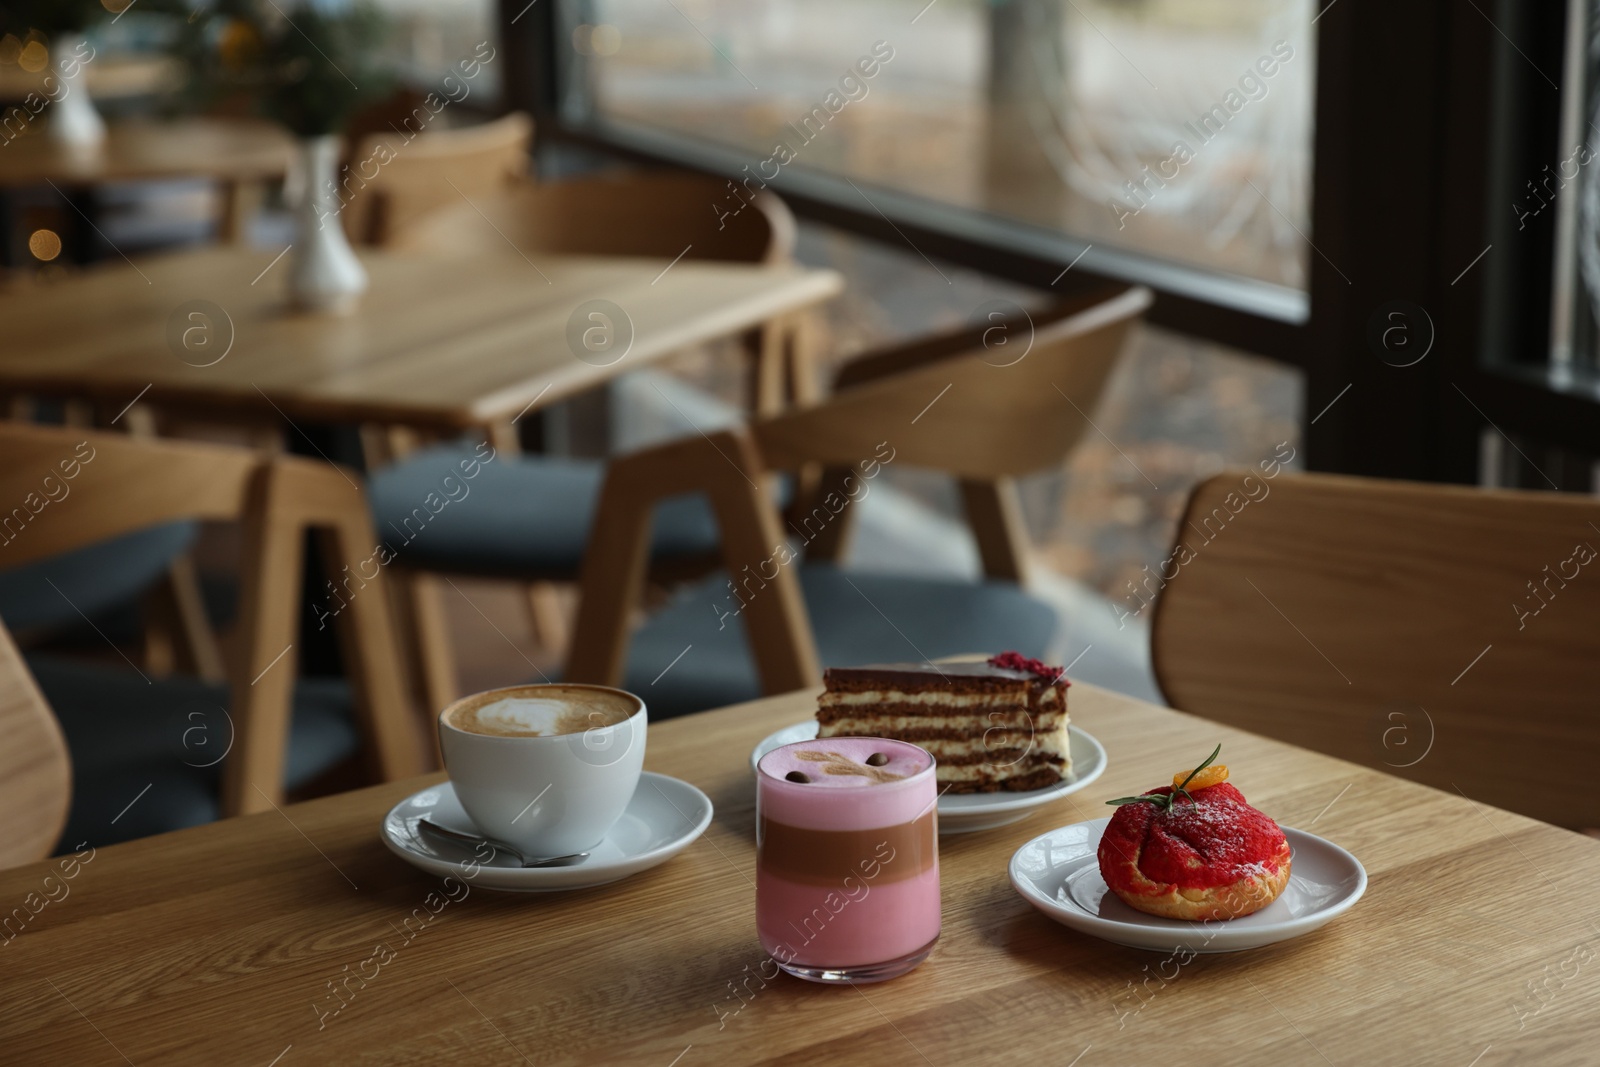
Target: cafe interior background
1361	241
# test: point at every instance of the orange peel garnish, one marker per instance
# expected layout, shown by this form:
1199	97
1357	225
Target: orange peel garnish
1215	774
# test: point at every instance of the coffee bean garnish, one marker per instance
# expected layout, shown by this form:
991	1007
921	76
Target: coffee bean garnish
877	759
797	776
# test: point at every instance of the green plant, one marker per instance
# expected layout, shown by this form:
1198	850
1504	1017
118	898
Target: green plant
309	64
1164	801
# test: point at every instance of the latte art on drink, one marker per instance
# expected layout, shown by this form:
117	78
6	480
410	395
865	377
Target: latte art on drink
546	711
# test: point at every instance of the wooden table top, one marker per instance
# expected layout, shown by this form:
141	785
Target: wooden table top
1474	944
445	341
239	149
106	77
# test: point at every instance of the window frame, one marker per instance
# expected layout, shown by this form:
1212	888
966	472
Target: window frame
1413	148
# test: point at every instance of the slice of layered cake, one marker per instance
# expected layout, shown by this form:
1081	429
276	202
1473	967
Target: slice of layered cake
996	724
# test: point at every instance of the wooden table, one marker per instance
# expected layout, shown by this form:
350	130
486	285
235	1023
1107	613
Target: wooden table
239	154
213	945
228	149
447	342
107	78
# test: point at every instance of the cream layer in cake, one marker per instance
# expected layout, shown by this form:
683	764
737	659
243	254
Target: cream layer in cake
951	739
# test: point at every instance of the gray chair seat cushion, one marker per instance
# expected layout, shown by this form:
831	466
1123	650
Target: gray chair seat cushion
521	516
857	618
170	734
93	579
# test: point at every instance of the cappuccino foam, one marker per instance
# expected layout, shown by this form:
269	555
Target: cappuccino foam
545	711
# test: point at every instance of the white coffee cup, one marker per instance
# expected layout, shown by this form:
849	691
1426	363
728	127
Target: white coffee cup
548	769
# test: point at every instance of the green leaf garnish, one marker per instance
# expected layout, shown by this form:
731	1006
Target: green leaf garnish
1164	800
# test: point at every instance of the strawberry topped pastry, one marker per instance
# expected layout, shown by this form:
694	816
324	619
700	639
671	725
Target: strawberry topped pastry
1194	850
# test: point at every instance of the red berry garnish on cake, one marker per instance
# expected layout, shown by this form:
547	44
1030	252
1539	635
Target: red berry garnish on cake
1016	661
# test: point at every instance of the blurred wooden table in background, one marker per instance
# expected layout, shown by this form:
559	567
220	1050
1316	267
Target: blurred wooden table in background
241	155
106	78
228	149
437	343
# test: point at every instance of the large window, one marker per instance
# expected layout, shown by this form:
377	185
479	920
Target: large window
1168	130
1548	220
1283	173
1569	188
431	36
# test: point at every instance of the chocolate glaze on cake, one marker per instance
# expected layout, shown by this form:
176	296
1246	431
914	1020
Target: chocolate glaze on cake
989	727
974	676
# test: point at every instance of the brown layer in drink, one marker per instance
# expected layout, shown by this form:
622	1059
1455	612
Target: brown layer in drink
828	857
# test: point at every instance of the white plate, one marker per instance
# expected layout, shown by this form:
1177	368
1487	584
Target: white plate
1059	873
965	812
663	818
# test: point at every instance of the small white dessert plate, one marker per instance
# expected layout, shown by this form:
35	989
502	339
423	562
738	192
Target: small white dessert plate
663	818
1059	873
961	813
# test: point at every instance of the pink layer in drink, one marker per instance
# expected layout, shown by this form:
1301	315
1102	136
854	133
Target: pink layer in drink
847	869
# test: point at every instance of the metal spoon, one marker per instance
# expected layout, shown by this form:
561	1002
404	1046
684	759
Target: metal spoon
526	861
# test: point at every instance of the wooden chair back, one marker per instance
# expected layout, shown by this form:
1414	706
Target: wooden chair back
1006	397
397	179
65	488
1441	633
655	214
997	400
35	771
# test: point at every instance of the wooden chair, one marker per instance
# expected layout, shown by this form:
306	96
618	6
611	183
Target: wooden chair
35	772
415	174
948	403
511	528
650	213
153	562
1442	633
108	485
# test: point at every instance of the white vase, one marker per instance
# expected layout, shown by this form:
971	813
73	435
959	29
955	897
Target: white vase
73	118
324	273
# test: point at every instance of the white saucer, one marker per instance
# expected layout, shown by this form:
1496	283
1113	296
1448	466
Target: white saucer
663	818
961	813
1059	873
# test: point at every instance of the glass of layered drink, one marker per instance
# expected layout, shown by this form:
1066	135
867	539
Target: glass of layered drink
847	858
